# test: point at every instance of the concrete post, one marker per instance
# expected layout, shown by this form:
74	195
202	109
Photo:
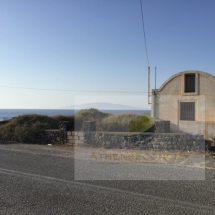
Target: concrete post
153	105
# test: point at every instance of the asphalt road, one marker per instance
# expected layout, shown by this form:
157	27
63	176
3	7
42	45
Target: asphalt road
37	179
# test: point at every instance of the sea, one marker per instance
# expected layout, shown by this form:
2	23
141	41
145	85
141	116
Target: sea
10	113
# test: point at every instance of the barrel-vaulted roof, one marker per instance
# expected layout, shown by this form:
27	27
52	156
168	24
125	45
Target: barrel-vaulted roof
184	72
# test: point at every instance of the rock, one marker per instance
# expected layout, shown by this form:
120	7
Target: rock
188	148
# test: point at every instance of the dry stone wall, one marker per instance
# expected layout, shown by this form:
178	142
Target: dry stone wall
89	126
145	141
162	126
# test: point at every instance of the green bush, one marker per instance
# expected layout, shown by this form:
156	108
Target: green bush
70	118
120	122
91	114
26	128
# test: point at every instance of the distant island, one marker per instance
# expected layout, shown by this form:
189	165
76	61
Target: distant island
103	106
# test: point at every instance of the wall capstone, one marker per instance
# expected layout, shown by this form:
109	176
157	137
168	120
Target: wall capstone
162	126
89	126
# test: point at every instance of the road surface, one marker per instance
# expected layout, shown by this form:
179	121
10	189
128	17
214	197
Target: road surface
38	179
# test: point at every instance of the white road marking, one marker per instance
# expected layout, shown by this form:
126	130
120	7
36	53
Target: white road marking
34	176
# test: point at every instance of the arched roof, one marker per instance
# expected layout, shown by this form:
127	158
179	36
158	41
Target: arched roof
184	72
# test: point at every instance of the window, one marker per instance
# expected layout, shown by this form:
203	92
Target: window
187	111
190	83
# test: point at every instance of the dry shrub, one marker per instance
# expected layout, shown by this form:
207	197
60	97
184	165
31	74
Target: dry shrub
59	117
91	114
26	128
120	122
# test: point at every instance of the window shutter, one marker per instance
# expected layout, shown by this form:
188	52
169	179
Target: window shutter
187	111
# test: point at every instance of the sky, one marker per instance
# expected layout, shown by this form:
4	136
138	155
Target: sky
98	45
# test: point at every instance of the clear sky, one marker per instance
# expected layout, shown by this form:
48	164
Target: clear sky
98	45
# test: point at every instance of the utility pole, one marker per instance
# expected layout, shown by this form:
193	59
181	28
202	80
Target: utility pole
149	85
155	76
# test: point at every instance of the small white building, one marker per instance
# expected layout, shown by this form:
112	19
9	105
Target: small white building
187	100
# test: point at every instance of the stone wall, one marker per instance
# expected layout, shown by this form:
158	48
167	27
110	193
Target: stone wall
55	136
162	126
76	137
145	141
89	126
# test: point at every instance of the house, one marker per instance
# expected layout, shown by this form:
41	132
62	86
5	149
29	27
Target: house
187	100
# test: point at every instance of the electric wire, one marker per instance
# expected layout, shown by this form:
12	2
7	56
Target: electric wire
144	31
91	91
82	91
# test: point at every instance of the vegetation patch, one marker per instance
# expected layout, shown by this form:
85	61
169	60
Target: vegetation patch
209	153
26	128
120	122
69	118
91	114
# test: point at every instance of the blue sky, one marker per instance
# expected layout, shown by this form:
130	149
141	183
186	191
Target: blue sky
98	45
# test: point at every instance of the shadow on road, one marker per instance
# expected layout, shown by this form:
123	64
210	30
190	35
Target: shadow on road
6	143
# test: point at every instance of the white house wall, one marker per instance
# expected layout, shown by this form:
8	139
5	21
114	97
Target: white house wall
167	105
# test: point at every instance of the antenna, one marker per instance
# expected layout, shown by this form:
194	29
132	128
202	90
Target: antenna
149	85
155	76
